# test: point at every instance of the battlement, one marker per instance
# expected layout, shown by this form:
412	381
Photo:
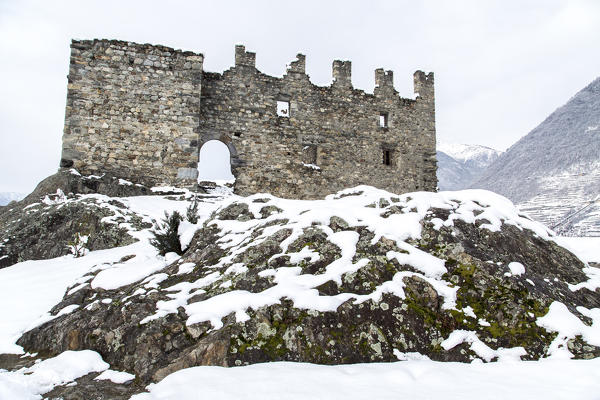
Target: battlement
243	57
384	78
342	74
424	84
142	112
298	65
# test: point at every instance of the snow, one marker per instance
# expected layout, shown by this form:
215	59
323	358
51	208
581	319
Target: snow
431	266
414	356
516	268
125	182
186	268
469	312
115	376
312	166
29	383
359	206
559	319
137	268
414	379
586	248
28	291
567	202
469	152
481	349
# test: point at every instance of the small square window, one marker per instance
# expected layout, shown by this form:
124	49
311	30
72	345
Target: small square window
383	120
283	109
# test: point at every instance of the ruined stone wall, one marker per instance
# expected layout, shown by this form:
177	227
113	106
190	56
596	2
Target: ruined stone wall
142	112
331	139
132	110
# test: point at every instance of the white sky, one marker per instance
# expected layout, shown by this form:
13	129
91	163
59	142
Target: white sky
501	66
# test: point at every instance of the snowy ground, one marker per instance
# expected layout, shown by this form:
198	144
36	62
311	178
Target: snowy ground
29	290
586	248
413	379
402	380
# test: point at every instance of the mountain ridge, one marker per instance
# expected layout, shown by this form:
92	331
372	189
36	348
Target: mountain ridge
554	170
460	164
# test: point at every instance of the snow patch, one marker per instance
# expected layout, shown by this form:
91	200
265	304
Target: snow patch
559	319
115	376
30	383
481	349
516	268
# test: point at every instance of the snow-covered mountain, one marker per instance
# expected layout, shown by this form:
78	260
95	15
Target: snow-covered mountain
7	197
553	173
461	164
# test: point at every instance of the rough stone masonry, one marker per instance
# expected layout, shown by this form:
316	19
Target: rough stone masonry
142	112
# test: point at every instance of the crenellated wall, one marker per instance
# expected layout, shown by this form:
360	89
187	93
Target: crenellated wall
160	108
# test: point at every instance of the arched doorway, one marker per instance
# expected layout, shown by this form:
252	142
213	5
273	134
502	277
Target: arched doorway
214	162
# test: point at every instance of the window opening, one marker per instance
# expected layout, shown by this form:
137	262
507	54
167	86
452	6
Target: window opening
283	109
383	120
387	157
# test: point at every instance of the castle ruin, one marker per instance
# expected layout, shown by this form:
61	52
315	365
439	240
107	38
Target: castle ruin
142	112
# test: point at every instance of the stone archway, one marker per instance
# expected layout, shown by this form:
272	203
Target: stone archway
214	162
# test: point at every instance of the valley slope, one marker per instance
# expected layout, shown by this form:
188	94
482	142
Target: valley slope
553	173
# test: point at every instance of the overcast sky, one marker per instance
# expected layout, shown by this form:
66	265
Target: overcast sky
500	66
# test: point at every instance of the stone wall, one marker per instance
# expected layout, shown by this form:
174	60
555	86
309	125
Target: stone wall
331	139
132	110
142	112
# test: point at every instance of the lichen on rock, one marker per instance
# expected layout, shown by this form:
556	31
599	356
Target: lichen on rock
361	276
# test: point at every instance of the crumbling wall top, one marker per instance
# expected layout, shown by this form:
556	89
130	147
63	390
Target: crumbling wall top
298	65
243	57
342	74
146	47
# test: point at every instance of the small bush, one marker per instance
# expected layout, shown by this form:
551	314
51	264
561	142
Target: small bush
77	245
166	234
191	213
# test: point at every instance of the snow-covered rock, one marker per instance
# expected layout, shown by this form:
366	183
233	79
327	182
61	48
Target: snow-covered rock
362	276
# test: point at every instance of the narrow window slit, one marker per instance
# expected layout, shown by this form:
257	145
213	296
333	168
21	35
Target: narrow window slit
387	157
383	120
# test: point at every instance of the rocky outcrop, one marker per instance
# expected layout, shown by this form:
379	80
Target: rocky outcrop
71	181
365	276
52	218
